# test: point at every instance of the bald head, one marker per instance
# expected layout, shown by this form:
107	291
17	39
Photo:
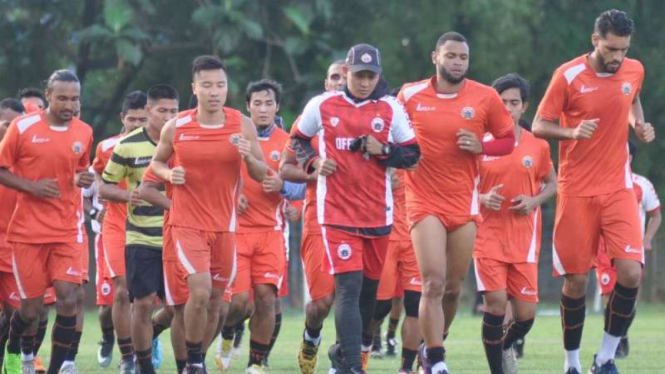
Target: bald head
335	78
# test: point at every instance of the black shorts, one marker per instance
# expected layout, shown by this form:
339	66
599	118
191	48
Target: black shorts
145	274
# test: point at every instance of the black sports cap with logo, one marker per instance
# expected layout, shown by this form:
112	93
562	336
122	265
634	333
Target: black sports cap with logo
363	57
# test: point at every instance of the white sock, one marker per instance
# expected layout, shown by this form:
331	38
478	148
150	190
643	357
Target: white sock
316	341
365	348
28	357
573	360
68	363
608	348
439	368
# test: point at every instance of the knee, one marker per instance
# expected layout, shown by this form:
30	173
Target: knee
264	299
121	296
143	306
199	298
29	313
66	305
433	288
452	292
631	277
575	285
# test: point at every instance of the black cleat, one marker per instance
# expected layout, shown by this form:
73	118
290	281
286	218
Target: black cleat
606	368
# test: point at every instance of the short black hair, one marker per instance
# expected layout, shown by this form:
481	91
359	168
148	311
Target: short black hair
207	62
263	85
13	104
30	92
632	148
512	80
452	36
162	91
62	75
615	22
134	100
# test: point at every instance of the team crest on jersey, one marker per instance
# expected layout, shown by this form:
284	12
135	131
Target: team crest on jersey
626	88
77	147
527	161
468	113
274	155
234	139
344	251
605	279
366	58
334	121
106	289
377	124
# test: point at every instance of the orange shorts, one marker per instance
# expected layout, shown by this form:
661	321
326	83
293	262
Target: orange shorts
85	260
520	280
8	290
605	272
114	250
176	291
581	221
450	220
261	259
400	271
36	266
312	252
284	286
211	252
347	252
103	281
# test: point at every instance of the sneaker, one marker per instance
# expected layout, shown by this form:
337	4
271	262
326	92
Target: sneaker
518	346
27	366
157	353
606	368
255	369
391	346
39	367
224	354
509	361
424	365
68	368
12	363
127	367
440	368
623	349
194	369
307	357
376	352
105	353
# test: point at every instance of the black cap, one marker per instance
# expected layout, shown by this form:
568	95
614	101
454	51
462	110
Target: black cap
364	57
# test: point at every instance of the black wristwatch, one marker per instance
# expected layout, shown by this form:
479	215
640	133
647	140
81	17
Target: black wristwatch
385	150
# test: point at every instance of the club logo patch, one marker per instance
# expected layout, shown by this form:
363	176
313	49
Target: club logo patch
605	279
527	161
366	58
377	124
334	121
468	113
77	147
274	155
626	88
106	289
234	139
344	251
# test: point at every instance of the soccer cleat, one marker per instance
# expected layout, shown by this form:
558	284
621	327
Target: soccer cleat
623	349
104	354
224	354
307	357
364	358
606	368
194	369
157	353
39	367
127	367
509	361
68	368
255	369
518	346
391	347
376	352
337	363
12	363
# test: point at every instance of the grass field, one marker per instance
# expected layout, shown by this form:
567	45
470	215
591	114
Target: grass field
543	352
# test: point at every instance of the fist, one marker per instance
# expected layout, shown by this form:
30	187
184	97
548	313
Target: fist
585	129
45	189
272	182
325	167
135	197
467	141
244	146
243	204
84	179
645	132
493	200
177	176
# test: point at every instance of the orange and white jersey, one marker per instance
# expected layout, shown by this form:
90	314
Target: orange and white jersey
446	178
35	150
504	235
599	165
400	231
7	206
116	213
207	201
647	198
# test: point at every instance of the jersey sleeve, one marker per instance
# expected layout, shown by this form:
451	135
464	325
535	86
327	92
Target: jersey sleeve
401	129
118	166
546	164
499	122
84	161
99	162
650	197
309	122
555	98
9	147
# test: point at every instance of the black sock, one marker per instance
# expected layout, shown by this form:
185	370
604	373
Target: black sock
74	348
257	352
572	321
180	364
435	355
27	344
516	330
348	322
275	332
41	333
126	349
313	333
492	335
366	304
392	327
64	330
17	327
619	309
144	359
108	334
157	329
4	336
408	357
228	332
194	356
630	322
376	338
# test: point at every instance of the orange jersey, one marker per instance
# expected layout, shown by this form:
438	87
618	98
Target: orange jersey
150	175
264	209
400	231
207	200
7	206
505	235
116	213
446	177
599	165
34	150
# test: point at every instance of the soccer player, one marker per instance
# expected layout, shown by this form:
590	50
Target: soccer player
362	132
203	208
143	249
32	99
45	156
649	205
320	284
442	193
132	116
594	97
507	247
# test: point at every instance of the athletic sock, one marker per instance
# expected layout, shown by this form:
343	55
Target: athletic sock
492	335
194	356
228	332
572	321
516	330
27	344
74	348
126	349
144	359
275	332
64	330
257	352
618	314
313	335
408	357
392	328
435	355
180	365
108	335
630	322
157	329
17	327
41	333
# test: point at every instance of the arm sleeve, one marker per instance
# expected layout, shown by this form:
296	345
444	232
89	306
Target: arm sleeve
116	169
307	127
9	147
293	191
500	124
555	98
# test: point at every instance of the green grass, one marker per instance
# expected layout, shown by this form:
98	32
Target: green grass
543	352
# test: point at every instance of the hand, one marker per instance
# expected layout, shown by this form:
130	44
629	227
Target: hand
492	200
272	182
467	141
645	132
325	167
292	213
647	243
523	204
177	175
135	197
84	179
45	189
585	129
244	147
373	147
243	204
100	216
